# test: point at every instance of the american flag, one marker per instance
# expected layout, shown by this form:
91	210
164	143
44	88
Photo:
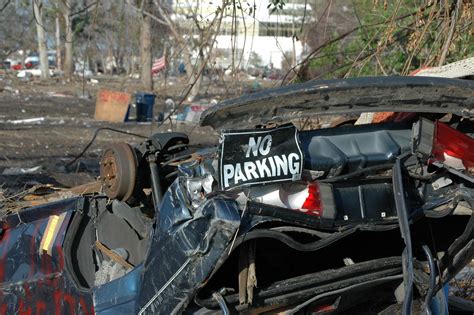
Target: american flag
158	65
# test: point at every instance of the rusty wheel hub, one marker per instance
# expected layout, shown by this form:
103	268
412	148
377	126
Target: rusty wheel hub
118	167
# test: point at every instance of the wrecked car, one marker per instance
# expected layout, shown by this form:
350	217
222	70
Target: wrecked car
373	218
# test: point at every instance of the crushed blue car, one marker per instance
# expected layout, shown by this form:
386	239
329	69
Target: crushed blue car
370	218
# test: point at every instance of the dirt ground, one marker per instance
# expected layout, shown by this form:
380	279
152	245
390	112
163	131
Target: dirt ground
38	152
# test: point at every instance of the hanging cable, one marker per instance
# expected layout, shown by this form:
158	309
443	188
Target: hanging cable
95	136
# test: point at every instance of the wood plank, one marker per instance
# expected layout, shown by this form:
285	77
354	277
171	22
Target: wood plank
112	105
112	255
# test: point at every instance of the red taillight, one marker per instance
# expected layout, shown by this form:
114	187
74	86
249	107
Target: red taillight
313	204
450	143
321	309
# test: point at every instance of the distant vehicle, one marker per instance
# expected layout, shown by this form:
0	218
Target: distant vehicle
361	219
11	64
5	65
32	61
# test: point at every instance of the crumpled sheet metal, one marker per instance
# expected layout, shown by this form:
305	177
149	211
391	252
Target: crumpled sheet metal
344	96
118	297
186	248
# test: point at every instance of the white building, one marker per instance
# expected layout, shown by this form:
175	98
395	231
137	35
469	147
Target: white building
255	32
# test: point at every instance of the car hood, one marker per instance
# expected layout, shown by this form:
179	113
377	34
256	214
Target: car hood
344	96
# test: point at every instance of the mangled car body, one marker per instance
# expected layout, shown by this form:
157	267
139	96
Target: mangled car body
372	218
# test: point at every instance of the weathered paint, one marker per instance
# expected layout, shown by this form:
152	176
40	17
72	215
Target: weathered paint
31	280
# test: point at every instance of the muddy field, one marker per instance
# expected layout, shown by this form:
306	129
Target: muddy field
62	124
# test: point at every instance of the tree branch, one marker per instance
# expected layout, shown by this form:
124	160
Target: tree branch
4	6
86	9
150	15
344	35
447	43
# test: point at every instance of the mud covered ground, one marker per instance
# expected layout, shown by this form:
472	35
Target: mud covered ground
39	151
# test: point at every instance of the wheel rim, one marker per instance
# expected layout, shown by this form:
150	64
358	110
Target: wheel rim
118	167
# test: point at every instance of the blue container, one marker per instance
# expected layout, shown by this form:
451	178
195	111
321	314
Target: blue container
145	103
182	116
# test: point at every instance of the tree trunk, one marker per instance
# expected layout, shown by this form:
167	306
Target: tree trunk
120	48
131	66
104	63
145	50
293	55
58	44
449	38
68	59
42	49
188	66
196	88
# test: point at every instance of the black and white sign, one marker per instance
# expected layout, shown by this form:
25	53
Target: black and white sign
260	156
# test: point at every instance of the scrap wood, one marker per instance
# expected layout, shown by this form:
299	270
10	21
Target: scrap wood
33	196
113	255
112	105
247	273
193	157
12	203
40	190
89	188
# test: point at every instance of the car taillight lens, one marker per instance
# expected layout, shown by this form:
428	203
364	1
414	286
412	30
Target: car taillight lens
315	199
451	145
313	204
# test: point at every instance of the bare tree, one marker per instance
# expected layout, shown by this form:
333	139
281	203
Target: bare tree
58	39
17	29
68	56
194	34
40	30
146	48
389	37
